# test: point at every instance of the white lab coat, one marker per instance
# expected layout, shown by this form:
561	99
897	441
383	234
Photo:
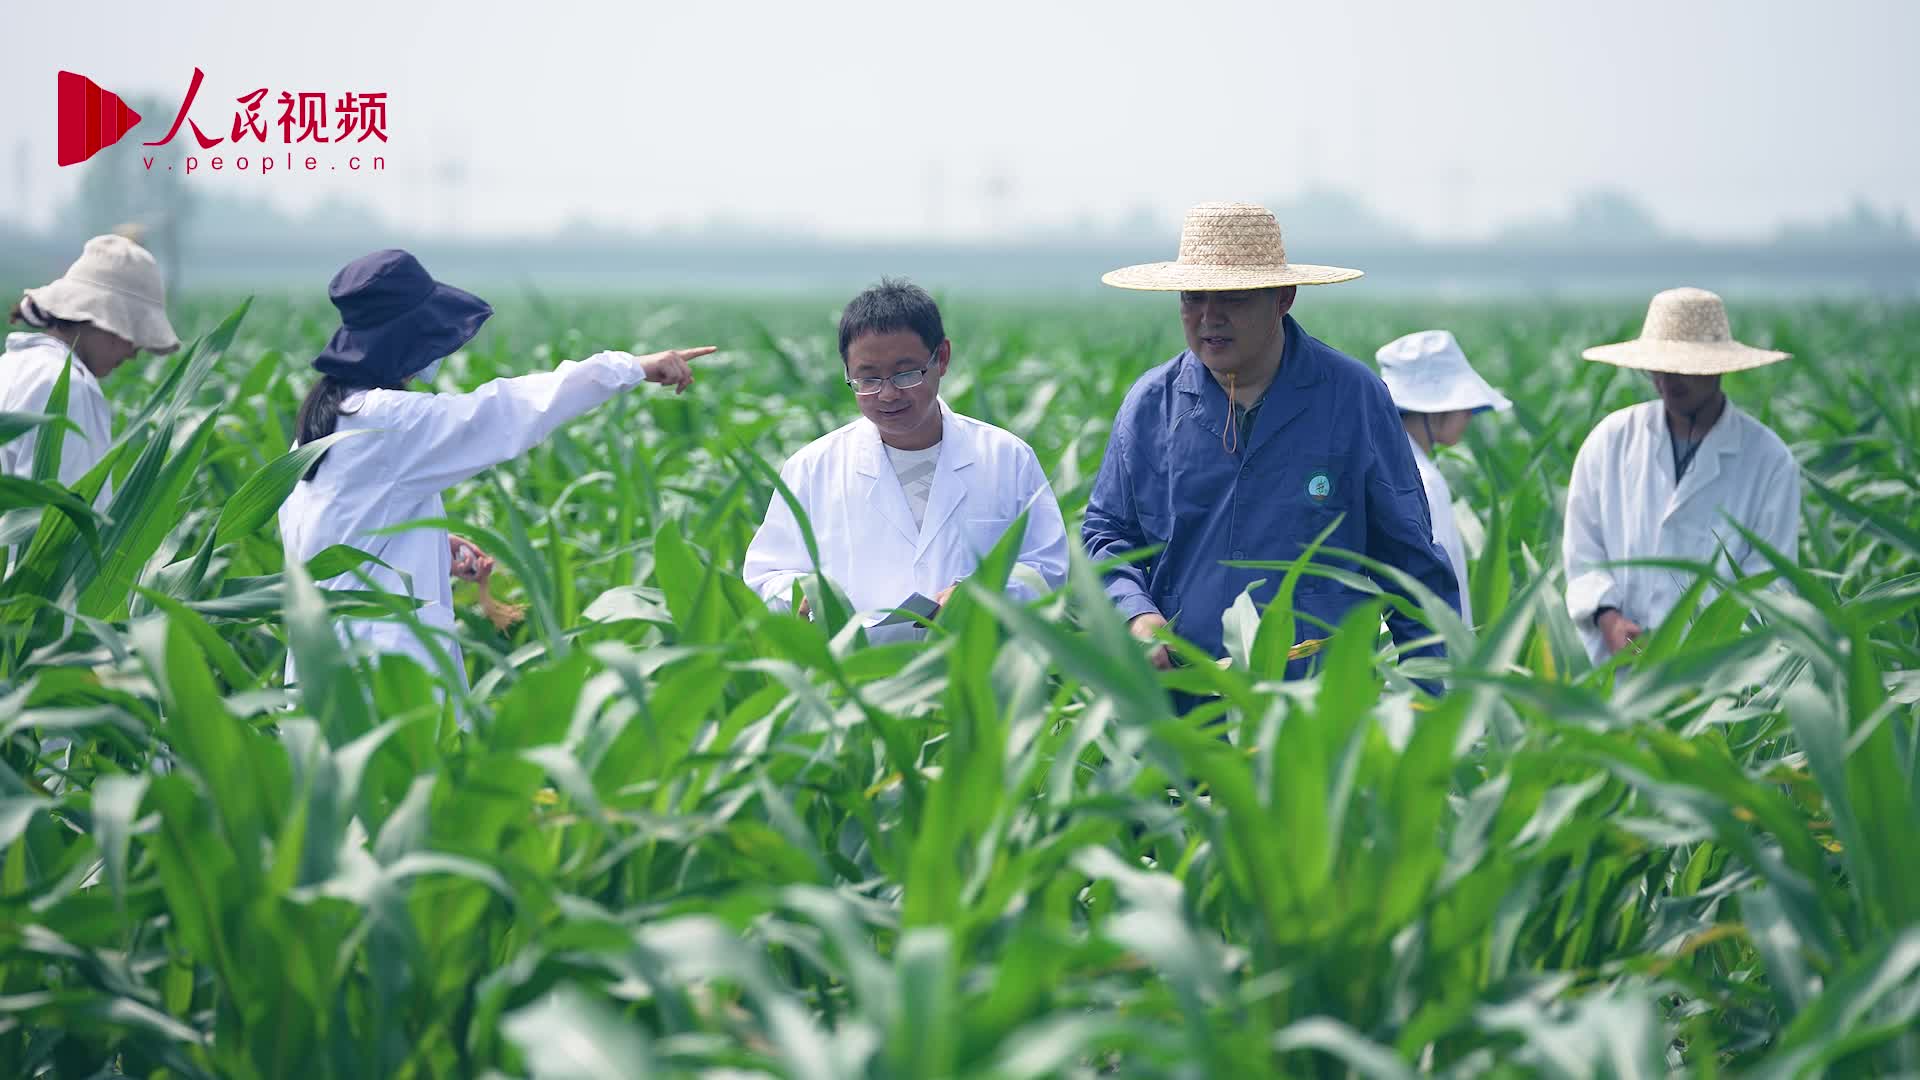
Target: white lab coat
1446	531
869	546
27	373
1623	504
420	444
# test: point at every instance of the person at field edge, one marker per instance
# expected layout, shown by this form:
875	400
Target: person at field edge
1662	479
110	305
397	324
1438	394
1247	446
911	495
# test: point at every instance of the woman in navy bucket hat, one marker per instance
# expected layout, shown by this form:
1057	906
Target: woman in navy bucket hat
396	324
394	319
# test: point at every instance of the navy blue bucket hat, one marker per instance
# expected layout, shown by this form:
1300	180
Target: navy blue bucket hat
394	320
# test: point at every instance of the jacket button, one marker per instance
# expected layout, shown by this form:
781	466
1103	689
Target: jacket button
1239	554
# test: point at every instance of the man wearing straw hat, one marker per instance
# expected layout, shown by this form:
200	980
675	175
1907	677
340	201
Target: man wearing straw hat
1250	444
1662	479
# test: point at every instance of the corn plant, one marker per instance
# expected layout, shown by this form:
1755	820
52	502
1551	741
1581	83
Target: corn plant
679	834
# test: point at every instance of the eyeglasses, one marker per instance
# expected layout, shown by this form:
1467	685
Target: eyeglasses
901	380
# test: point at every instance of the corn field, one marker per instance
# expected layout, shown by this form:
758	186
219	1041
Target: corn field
683	836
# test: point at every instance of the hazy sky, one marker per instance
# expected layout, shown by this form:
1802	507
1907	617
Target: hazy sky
882	119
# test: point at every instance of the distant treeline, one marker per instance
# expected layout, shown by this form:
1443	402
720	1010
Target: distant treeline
739	265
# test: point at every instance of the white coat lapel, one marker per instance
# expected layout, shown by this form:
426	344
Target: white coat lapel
881	486
949	479
1722	440
1647	480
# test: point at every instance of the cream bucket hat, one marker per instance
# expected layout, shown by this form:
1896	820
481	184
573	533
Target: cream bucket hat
116	286
1226	246
1426	372
1686	333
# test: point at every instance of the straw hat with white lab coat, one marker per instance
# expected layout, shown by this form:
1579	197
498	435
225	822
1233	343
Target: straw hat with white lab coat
1625	501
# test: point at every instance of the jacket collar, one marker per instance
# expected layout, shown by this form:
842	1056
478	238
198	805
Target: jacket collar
21	342
33	339
1301	366
870	454
957	451
1725	439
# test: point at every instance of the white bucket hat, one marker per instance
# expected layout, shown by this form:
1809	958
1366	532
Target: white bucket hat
1223	247
1427	373
1686	333
115	284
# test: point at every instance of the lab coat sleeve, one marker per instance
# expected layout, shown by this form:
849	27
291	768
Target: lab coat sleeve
83	450
1590	586
1112	528
1400	525
451	437
777	556
1778	519
1042	565
80	450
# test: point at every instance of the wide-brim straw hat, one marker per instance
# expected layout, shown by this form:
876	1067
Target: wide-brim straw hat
115	285
1686	333
1226	246
1427	372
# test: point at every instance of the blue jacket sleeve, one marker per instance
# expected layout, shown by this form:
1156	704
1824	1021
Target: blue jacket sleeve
1400	525
1112	528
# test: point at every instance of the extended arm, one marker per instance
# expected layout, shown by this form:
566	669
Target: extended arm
451	437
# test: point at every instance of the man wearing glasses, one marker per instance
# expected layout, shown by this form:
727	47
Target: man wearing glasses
909	497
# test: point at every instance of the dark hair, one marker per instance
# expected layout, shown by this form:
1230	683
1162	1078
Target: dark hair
27	313
320	414
894	304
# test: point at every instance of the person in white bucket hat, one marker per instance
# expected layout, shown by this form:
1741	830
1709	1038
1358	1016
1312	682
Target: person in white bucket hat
1438	394
110	305
1662	479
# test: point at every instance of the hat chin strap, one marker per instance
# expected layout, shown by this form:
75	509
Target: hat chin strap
1693	434
1230	438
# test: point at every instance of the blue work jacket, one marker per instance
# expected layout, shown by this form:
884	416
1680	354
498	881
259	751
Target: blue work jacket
1326	443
